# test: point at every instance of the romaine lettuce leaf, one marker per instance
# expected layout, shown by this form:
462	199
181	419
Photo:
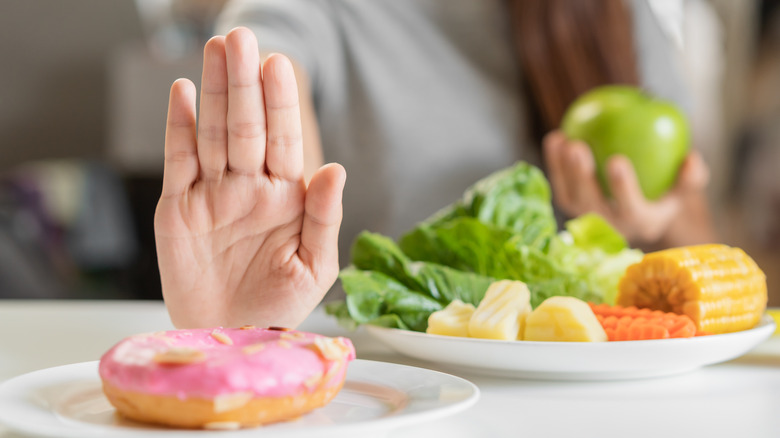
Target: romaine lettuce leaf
516	199
375	298
463	243
591	231
502	228
594	251
471	245
374	252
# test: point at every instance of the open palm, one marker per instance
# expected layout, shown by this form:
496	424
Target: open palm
240	237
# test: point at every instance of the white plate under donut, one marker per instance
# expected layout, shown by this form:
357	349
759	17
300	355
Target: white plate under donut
67	401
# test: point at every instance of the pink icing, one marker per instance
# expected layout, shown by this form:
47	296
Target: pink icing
285	365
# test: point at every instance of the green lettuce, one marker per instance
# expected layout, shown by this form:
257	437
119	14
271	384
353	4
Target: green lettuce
377	253
473	246
375	298
464	243
594	251
385	287
516	199
502	228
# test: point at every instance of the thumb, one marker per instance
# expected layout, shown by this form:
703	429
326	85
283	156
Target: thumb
321	222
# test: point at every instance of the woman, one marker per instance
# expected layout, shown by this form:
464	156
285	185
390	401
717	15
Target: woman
417	99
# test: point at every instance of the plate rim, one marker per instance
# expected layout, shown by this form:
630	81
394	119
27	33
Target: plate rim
437	349
394	420
764	323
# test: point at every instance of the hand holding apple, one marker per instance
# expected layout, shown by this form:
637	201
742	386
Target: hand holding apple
621	120
572	173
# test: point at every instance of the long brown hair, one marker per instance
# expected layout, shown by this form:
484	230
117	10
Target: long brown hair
567	47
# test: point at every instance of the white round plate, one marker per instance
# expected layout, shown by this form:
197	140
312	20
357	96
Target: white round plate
575	360
68	401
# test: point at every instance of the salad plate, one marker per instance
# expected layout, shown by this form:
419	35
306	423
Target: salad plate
377	397
574	360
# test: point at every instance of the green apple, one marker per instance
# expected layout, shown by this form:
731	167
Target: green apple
617	119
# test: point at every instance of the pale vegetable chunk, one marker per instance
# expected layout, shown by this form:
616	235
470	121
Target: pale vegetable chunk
452	320
501	313
563	319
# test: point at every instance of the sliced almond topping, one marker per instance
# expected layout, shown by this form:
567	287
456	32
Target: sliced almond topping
156	335
229	402
342	343
330	348
284	344
254	348
221	338
222	425
279	329
313	380
179	356
333	370
292	336
248	327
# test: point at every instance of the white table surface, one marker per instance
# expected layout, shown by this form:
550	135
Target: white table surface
740	398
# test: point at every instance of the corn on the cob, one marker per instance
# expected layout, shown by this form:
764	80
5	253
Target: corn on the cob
452	320
563	319
719	287
501	313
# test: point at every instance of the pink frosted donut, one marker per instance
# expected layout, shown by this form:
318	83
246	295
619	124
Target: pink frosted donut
223	378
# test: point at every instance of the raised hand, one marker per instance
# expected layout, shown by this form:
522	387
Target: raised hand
240	238
670	220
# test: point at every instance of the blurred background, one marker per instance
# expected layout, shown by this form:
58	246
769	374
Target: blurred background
83	96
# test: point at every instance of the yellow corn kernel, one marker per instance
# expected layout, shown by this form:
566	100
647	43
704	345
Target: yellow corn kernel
501	313
719	287
563	319
452	320
775	315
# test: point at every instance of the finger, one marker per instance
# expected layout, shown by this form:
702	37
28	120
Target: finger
624	185
694	175
284	148
552	148
212	126
246	113
181	157
647	219
321	222
586	194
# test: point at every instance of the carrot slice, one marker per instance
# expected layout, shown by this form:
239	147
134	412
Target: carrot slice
633	324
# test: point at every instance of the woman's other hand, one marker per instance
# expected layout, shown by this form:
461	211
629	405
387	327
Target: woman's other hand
240	237
678	218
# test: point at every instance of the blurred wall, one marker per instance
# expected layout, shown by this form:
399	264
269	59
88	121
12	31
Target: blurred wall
53	79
